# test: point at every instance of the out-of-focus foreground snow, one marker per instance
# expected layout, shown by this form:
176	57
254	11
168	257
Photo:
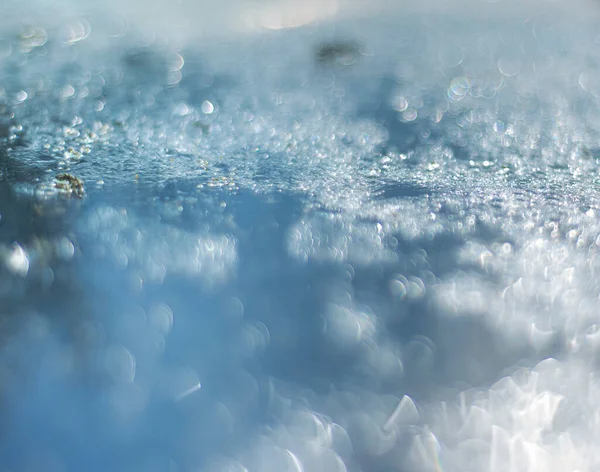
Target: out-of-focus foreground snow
314	238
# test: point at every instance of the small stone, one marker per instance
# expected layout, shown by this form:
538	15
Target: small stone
69	185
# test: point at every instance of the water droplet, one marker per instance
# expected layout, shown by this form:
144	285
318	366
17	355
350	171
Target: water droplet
234	309
77	31
174	77
589	84
65	249
499	127
409	115
32	37
161	318
67	92
21	96
399	103
120	364
459	87
398	288
18	261
207	107
415	289
175	62
181	109
509	66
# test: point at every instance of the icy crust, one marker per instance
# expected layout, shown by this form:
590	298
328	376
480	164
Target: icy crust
280	264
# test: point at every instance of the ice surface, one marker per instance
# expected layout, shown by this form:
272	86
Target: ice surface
289	258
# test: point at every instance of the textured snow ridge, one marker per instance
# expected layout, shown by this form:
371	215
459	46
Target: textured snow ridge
364	246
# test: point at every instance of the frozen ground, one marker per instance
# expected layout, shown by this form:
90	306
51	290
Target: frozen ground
382	261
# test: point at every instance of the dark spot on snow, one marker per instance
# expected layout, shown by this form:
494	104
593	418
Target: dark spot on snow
343	53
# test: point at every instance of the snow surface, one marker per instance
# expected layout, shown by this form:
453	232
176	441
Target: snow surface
384	262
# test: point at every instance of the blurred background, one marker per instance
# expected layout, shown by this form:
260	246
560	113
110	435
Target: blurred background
197	19
272	236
